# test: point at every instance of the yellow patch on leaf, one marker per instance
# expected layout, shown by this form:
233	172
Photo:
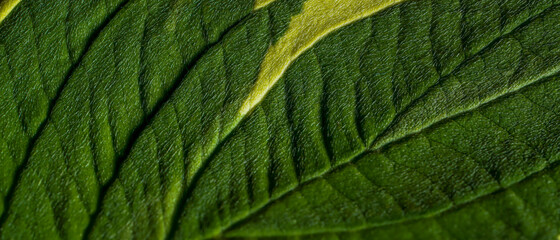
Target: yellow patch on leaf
317	19
6	6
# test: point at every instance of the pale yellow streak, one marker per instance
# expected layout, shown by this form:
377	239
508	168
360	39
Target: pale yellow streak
6	6
317	19
262	3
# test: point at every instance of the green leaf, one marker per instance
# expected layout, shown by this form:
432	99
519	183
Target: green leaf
319	119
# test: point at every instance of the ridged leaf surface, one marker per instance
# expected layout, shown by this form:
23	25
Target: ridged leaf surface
308	119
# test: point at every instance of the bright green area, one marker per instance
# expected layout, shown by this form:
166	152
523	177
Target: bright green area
430	120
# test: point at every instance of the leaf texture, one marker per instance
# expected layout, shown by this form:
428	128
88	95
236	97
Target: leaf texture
428	119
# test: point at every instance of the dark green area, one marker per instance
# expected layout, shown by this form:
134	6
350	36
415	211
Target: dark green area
527	210
430	120
108	65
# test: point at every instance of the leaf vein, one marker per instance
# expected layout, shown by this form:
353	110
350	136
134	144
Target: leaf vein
298	187
33	140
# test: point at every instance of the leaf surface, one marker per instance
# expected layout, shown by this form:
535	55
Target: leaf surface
317	119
